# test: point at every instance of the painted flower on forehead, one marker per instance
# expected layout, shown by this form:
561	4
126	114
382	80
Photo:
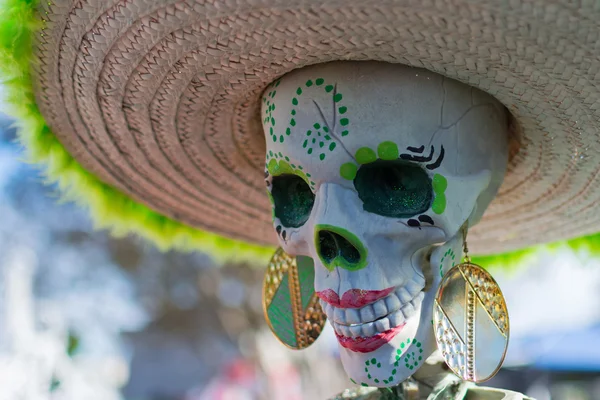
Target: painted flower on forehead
372	170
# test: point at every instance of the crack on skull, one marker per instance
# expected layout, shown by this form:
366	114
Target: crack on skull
332	129
466	113
442	127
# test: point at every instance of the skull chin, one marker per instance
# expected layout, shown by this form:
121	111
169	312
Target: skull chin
389	357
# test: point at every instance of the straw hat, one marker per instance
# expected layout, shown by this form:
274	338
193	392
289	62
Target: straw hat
158	103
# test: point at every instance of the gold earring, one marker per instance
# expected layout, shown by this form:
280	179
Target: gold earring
471	322
290	304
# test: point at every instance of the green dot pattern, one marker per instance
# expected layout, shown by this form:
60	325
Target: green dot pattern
365	155
278	164
412	359
269	104
388	151
348	171
272	205
448	256
439	184
375	364
327	145
439	204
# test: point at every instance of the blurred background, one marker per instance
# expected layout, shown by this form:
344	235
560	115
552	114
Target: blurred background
84	316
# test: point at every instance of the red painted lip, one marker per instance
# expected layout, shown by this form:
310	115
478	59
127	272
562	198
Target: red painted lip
368	344
353	298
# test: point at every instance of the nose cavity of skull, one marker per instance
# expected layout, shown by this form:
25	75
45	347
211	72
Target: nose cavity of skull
336	247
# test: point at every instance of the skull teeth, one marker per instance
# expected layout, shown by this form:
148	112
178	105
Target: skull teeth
391	302
403	295
382	324
367	314
396	318
355	330
378	317
380	309
368	329
339	315
344	330
353	316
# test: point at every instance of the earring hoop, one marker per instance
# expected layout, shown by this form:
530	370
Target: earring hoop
290	304
471	323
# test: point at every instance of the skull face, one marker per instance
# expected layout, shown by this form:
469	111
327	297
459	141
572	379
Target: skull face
372	170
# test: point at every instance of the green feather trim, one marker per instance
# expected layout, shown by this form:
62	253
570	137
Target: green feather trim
111	209
582	247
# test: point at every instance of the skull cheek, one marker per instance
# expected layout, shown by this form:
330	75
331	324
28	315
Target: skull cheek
460	198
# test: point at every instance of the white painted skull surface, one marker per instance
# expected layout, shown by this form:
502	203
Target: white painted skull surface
373	169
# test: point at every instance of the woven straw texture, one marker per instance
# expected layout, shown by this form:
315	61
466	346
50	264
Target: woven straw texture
160	99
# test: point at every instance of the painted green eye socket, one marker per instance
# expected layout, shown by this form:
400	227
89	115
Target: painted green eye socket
293	200
394	189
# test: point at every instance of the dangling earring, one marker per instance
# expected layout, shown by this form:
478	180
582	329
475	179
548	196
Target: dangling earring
471	320
290	304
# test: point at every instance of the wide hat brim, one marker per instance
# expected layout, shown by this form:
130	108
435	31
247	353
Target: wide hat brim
160	99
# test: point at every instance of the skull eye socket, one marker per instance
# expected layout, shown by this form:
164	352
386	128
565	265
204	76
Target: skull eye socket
394	189
293	200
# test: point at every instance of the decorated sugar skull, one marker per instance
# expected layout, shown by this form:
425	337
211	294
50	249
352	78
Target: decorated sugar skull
372	170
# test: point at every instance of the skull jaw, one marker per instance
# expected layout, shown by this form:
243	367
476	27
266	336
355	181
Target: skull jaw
390	364
398	358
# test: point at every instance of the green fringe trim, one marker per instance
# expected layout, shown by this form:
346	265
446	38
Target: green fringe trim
109	208
583	247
